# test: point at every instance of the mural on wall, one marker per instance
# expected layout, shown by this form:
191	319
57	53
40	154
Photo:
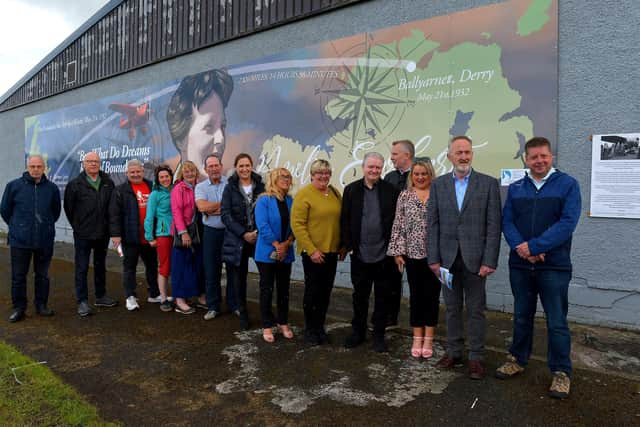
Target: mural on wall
490	73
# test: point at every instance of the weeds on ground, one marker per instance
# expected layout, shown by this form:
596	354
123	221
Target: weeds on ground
40	397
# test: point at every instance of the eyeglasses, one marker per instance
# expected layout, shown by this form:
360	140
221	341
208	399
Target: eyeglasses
287	177
324	173
92	162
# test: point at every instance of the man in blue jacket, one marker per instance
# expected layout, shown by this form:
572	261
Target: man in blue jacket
31	206
539	218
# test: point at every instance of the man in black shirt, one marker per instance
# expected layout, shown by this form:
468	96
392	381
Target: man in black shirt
402	154
368	209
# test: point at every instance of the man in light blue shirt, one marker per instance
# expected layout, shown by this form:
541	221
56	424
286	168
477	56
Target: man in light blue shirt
461	185
463	236
208	198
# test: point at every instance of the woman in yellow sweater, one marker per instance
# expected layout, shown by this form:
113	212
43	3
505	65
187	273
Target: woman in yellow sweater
315	220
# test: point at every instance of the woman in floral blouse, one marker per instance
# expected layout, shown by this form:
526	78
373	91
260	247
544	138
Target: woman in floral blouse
409	247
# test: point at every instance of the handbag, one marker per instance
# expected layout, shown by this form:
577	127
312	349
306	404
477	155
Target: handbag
192	230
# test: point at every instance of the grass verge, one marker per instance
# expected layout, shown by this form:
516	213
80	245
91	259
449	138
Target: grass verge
42	398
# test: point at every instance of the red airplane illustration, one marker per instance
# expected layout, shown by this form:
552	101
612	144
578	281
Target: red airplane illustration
136	117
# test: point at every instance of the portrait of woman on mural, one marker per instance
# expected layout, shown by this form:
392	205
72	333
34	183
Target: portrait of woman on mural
196	115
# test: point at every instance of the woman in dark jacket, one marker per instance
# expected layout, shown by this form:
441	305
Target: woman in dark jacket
238	201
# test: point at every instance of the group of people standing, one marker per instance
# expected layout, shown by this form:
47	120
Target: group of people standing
409	220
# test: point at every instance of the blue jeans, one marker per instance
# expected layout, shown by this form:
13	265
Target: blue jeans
20	260
552	286
212	252
83	249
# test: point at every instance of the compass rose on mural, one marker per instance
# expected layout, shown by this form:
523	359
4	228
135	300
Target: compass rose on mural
364	102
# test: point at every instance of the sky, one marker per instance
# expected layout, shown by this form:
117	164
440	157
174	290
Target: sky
31	29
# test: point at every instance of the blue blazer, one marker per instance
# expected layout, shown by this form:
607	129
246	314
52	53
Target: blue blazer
269	227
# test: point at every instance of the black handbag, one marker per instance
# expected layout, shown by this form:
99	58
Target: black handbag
192	230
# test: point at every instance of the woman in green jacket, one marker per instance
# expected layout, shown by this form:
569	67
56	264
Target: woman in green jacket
157	229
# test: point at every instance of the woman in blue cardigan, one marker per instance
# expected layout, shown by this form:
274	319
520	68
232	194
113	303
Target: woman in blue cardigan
274	251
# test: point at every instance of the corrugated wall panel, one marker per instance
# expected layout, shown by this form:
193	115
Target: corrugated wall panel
140	32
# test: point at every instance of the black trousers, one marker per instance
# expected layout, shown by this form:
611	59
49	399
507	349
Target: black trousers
280	274
395	297
237	274
83	248
130	263
364	276
20	260
424	297
318	283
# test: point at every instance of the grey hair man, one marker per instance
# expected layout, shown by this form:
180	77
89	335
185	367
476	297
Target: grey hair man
208	200
127	210
31	222
86	204
368	209
463	236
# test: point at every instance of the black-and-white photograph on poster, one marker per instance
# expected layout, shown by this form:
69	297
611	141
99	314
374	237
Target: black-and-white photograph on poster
619	147
615	185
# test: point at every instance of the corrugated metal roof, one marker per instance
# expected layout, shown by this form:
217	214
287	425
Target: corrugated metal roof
128	34
104	10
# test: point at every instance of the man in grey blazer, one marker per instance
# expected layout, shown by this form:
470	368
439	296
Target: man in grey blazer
463	235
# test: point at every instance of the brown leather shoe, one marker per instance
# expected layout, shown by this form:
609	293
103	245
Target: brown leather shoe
448	362
476	370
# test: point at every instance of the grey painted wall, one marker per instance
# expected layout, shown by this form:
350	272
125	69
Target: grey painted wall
598	93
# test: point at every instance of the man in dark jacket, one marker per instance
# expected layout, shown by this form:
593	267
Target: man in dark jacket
86	204
540	216
30	207
127	211
368	209
463	236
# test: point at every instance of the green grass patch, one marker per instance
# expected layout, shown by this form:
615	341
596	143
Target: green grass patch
42	398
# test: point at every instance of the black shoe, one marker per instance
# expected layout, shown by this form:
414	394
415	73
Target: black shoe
105	301
379	346
244	320
166	306
17	315
311	337
44	311
84	309
353	340
323	338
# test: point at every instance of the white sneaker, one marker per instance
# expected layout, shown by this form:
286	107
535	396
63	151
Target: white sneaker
132	303
155	300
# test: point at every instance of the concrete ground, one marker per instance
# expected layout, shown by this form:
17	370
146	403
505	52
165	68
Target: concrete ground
150	368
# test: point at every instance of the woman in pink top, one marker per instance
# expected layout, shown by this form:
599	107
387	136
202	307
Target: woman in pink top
186	260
